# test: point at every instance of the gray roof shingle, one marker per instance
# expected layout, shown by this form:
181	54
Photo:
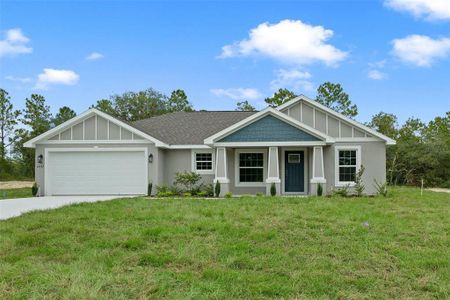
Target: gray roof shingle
189	128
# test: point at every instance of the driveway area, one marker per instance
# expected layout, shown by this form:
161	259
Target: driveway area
16	207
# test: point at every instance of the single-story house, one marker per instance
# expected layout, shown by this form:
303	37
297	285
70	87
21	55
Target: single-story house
296	146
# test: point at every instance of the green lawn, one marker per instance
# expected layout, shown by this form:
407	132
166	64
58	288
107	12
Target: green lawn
396	247
15	193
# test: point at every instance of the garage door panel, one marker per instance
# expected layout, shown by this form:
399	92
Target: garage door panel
97	172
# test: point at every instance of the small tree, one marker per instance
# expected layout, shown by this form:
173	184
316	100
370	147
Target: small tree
273	189
359	186
280	97
217	188
319	190
333	96
149	189
188	180
34	189
244	106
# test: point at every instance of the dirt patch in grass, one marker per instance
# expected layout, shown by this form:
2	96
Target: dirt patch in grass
15	184
440	190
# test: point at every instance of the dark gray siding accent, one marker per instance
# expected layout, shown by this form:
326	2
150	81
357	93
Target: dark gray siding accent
268	129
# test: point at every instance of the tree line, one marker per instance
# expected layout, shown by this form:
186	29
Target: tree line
422	151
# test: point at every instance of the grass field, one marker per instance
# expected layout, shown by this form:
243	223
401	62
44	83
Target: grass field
396	247
15	193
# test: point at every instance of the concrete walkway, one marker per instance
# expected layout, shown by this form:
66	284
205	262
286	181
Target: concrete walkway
15	207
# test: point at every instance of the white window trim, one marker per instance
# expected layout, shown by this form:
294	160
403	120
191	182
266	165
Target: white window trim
336	164
236	168
194	162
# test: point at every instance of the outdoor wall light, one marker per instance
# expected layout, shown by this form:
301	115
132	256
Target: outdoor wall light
150	158
40	159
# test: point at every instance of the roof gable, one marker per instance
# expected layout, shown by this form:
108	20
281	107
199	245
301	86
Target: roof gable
336	115
269	129
303	130
93	126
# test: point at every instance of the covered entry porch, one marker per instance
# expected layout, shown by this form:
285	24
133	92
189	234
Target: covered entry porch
293	169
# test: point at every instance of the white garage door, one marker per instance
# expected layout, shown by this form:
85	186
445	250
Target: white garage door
96	172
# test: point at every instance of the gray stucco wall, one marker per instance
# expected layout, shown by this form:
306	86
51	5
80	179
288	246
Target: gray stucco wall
373	158
179	161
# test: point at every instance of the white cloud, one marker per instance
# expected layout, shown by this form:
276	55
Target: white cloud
296	79
94	56
238	93
427	9
378	64
290	41
19	79
14	43
376	75
54	76
421	50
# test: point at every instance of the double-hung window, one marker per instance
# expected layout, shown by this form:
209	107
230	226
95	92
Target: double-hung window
203	162
250	169
348	162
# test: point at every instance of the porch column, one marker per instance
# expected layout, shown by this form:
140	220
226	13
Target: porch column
318	174
221	175
273	171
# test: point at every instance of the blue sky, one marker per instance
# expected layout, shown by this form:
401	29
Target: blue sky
391	55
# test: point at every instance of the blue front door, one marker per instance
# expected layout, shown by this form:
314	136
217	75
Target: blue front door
294	181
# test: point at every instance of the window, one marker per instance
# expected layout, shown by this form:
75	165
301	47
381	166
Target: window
348	162
250	167
294	158
202	162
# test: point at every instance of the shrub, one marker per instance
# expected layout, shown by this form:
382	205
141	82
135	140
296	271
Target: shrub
359	186
202	194
259	194
228	195
319	190
176	190
217	188
343	191
34	189
381	188
187	194
149	189
162	188
207	189
273	189
165	194
188	180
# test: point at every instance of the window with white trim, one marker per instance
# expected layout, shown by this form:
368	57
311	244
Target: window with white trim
348	162
251	167
203	162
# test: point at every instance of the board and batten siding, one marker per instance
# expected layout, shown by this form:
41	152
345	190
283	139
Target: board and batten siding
323	121
95	128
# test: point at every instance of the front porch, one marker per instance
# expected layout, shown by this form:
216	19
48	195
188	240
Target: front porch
293	169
